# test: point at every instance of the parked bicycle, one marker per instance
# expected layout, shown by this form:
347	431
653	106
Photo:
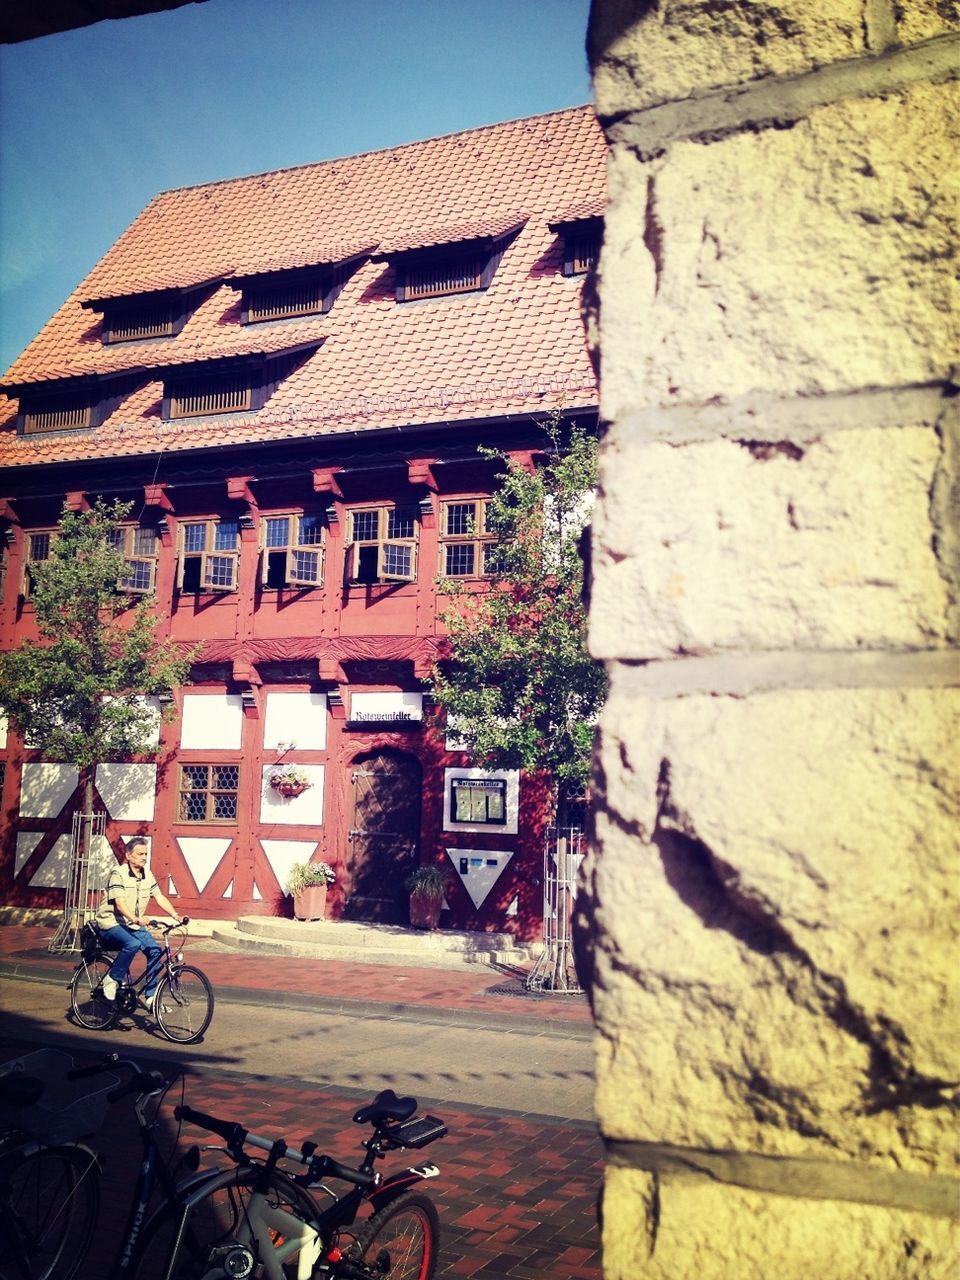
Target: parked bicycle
49	1180
253	1219
183	1006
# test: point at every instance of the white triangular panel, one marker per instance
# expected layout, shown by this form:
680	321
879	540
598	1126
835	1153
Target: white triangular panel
27	841
228	891
282	854
52	872
514	907
202	856
172	890
479	869
257	895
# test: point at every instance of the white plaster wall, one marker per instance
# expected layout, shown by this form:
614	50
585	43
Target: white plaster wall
45	788
212	722
128	790
305	809
295	719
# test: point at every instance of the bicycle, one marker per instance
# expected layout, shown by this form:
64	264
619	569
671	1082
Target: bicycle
252	1219
183	1006
49	1180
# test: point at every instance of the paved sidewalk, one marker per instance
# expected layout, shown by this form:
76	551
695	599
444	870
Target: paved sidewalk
479	994
518	1192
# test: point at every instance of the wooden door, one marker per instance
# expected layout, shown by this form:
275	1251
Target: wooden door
384	837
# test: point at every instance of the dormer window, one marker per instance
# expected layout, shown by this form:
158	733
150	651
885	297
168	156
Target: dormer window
77	405
458	260
307	289
229	386
582	233
156	313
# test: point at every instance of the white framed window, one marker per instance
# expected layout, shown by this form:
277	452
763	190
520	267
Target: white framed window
467	547
139	547
383	544
292	547
209	554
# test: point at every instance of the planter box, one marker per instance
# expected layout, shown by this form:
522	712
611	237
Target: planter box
311	903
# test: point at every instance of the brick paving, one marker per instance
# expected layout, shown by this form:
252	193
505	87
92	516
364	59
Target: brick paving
517	1193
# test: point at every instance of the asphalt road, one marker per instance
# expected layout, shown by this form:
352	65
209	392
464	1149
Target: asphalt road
526	1070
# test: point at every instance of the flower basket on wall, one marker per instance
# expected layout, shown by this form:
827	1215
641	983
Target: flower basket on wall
290	780
307	884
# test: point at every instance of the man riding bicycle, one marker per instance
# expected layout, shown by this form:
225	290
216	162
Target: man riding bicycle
120	918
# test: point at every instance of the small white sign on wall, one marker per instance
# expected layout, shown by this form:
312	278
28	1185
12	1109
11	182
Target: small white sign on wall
489	805
386	708
212	722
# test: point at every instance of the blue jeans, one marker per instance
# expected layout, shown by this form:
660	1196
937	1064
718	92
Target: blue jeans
130	941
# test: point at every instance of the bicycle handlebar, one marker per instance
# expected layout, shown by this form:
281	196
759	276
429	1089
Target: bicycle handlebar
236	1137
140	1081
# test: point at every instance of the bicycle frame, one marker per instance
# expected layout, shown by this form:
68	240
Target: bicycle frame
150	1165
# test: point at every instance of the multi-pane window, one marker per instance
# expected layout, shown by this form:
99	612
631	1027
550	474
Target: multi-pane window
209	555
208	792
138	544
383	544
468	548
38	545
482	800
292	550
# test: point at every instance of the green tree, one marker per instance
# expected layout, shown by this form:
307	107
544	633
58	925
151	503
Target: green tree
518	685
79	695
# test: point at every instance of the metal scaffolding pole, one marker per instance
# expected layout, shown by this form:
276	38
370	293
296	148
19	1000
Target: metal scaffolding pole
564	848
84	877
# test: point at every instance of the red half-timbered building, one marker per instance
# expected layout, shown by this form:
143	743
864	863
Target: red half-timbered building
289	376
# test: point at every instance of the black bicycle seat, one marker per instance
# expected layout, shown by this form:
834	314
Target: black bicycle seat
386	1106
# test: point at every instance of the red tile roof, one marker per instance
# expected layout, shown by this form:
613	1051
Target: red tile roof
517	347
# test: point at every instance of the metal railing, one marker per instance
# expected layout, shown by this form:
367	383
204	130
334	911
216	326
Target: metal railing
564	849
84	880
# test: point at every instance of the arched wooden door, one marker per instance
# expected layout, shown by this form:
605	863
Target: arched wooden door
384	836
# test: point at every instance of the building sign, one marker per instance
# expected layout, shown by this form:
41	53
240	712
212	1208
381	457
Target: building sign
479	870
482	800
386	708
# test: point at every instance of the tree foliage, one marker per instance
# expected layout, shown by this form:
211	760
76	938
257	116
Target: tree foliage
79	694
519	686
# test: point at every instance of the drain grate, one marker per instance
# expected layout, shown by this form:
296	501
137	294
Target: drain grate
520	991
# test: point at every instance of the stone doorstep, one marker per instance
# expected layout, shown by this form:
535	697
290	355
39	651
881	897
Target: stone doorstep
372	944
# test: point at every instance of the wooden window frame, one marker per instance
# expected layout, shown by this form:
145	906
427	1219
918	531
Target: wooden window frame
26	582
134	555
195	397
291	548
314	288
385	543
479	538
210	792
165	315
64	411
469	266
209	554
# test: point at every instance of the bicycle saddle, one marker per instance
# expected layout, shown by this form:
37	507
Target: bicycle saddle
386	1106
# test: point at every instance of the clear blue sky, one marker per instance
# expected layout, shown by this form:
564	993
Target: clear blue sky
93	123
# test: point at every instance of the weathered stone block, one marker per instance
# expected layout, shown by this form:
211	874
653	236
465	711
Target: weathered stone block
923	19
775	892
730	544
714	1232
645	53
794	261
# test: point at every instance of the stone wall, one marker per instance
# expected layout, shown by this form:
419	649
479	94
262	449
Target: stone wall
769	919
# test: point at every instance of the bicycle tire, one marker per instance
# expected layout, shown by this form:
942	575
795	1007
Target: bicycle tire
402	1240
49	1203
90	1006
216	1219
184	1004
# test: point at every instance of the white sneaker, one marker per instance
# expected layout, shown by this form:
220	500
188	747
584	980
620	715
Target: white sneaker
109	988
149	1001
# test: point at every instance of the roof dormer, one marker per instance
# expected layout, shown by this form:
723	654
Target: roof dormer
153	313
582	230
458	259
288	290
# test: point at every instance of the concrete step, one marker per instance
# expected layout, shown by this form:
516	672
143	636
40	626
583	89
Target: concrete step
372	943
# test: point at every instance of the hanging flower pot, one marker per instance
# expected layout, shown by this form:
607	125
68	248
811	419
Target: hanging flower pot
290	780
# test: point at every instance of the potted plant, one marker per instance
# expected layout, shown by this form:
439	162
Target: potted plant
289	779
308	883
427	887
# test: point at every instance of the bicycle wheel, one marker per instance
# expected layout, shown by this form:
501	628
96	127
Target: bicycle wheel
195	1243
49	1200
402	1240
184	1004
90	1006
